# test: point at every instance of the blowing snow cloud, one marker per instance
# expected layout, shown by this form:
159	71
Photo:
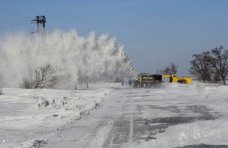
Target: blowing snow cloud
96	58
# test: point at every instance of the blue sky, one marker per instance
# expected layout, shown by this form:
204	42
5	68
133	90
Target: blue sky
154	32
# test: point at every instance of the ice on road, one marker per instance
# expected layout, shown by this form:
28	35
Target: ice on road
170	116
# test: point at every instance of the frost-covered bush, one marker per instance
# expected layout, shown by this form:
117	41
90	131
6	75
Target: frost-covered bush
28	83
1	86
44	78
84	80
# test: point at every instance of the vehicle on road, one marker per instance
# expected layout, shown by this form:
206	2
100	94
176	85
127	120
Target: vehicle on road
147	80
175	79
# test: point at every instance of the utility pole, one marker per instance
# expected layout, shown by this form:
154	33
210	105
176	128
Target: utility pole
40	22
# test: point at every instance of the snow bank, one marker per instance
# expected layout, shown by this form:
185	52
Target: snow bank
75	58
198	90
28	112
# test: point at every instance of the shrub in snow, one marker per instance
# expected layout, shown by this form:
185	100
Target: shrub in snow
35	143
44	78
38	143
0	90
1	85
28	83
84	80
42	103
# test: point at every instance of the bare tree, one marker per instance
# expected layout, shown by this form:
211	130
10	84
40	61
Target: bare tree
211	66
219	61
216	78
172	69
166	71
200	66
45	76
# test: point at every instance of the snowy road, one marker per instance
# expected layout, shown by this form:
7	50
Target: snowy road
179	116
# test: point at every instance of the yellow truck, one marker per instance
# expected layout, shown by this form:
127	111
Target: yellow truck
175	79
148	80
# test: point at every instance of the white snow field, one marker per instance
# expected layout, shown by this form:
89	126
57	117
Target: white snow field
28	116
171	115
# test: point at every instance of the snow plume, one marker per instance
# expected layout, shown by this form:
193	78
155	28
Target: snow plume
75	58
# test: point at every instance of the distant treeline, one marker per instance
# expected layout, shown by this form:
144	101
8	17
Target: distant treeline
211	66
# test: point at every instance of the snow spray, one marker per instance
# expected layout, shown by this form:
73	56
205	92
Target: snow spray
75	58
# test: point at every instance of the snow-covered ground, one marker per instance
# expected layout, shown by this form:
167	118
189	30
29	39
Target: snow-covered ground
189	116
172	115
27	116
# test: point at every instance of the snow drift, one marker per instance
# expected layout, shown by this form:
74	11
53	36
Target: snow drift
75	58
44	111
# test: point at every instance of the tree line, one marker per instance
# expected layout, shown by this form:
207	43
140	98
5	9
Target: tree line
170	70
210	66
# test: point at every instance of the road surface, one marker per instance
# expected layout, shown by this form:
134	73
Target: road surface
139	118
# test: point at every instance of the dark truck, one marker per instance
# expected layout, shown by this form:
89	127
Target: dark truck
147	80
